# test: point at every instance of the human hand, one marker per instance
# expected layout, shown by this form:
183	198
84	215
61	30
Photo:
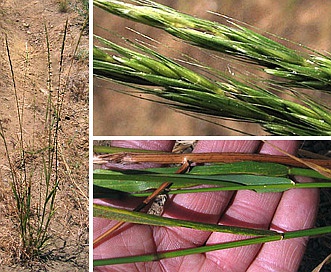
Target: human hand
291	210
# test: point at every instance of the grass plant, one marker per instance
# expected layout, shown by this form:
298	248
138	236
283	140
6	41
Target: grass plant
34	165
218	95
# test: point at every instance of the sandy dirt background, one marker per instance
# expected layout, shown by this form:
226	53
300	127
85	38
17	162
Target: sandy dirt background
305	22
23	23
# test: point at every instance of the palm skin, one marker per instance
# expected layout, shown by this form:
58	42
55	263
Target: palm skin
291	210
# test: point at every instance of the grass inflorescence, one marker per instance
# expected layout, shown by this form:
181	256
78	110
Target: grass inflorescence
298	69
221	96
190	91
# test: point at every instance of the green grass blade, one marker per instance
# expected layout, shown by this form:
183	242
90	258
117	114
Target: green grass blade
148	219
204	249
137	181
247	175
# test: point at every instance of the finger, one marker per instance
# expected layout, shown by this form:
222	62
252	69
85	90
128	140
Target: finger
131	240
249	209
147	145
202	207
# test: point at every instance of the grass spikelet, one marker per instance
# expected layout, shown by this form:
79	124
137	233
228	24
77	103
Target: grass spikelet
237	41
190	91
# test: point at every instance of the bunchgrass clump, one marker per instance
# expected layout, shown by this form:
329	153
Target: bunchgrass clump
33	166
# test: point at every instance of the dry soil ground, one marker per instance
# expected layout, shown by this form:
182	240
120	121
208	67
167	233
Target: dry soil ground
24	24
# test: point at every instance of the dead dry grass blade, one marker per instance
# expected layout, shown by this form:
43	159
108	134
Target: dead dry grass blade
320	266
